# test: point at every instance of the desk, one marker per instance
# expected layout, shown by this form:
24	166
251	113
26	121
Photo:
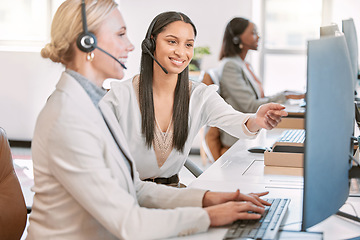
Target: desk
296	114
239	169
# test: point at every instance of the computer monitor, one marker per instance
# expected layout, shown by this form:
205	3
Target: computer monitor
329	124
329	30
357	115
349	30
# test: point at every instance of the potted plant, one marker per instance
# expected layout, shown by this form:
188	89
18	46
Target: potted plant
199	53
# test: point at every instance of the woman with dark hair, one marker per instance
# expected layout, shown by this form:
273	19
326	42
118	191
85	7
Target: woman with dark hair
239	86
161	110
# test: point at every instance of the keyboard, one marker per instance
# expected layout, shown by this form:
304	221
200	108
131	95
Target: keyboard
266	227
294	137
291	141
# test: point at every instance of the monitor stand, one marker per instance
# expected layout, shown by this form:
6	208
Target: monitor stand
354	175
348	216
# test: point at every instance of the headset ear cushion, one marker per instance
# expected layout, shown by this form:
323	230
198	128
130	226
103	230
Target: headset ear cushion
236	40
149	44
153	44
86	42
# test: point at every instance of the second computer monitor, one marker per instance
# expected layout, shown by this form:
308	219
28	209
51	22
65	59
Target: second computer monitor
349	30
329	124
329	30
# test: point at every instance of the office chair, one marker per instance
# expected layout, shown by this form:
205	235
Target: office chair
13	213
209	77
193	168
206	142
211	139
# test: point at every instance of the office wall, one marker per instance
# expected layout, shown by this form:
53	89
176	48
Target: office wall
26	80
345	10
210	18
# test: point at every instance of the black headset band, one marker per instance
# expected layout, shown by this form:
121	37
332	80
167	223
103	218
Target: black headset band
230	30
148	36
83	16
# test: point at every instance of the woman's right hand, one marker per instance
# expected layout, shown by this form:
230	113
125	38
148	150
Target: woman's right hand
229	212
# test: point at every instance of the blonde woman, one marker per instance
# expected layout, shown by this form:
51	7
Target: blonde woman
86	183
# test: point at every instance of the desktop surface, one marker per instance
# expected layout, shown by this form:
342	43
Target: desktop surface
296	113
240	169
295	107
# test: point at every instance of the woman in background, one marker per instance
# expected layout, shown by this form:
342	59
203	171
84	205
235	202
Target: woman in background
239	86
161	111
86	184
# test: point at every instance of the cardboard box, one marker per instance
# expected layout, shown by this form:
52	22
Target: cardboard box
283	159
291	122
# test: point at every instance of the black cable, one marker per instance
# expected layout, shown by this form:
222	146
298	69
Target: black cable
354	159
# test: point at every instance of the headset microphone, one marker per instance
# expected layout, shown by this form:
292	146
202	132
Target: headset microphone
111	56
86	41
148	45
146	50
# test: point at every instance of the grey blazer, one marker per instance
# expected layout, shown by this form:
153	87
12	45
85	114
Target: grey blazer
240	90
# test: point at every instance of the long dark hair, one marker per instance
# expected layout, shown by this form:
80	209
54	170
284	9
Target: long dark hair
233	29
181	96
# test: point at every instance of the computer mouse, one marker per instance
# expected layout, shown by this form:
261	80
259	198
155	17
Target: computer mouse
257	149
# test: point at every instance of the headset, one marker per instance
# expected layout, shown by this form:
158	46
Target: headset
148	45
235	39
87	41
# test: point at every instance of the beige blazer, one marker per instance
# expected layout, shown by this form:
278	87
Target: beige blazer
239	89
83	187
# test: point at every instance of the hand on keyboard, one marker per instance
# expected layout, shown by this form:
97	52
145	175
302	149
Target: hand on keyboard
266	227
225	207
256	196
214	198
229	212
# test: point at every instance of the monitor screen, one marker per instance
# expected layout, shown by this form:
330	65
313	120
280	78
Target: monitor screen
329	124
349	30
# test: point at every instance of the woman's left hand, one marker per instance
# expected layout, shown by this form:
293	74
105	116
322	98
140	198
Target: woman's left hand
215	198
267	116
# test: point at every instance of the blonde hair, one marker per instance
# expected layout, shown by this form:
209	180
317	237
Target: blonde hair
67	25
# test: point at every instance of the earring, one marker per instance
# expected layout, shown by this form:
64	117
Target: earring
90	56
241	46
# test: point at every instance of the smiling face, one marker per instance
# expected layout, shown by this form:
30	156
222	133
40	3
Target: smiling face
250	38
112	38
175	47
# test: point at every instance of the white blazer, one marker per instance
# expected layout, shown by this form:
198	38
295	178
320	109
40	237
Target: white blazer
83	188
206	107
